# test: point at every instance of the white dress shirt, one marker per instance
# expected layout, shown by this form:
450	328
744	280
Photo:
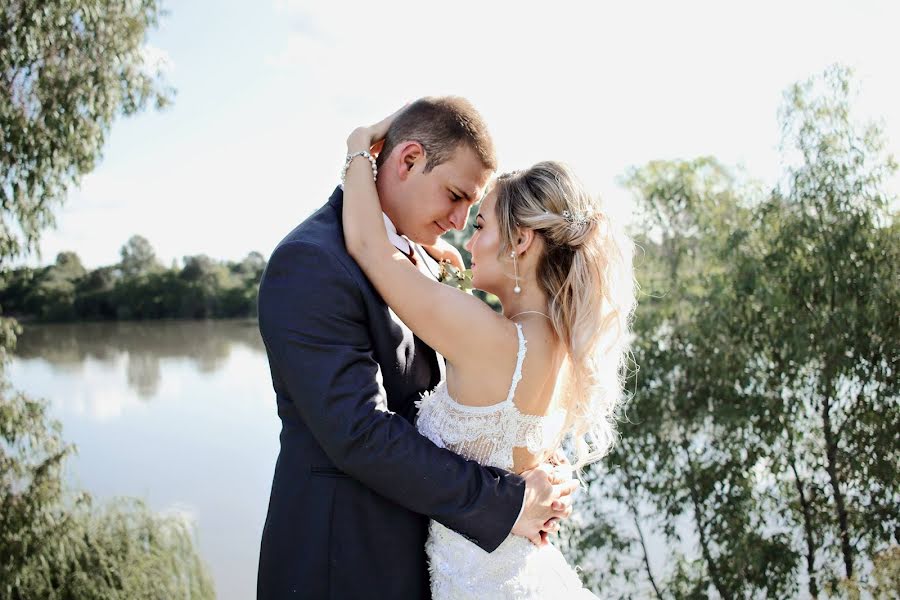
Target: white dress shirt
400	242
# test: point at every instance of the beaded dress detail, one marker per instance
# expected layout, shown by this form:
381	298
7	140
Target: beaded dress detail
489	434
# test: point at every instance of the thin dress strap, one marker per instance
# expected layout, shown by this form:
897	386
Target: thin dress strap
520	358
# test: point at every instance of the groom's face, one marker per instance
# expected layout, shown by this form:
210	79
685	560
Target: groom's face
430	204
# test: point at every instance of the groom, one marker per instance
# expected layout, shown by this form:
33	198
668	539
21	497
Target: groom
355	483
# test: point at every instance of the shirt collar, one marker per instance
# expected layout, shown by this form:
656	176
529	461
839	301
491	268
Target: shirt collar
399	241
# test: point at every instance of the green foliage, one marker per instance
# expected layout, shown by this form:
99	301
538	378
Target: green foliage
461	279
68	68
138	287
138	258
54	545
826	254
761	439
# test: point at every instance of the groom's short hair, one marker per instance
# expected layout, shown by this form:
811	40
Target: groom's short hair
441	125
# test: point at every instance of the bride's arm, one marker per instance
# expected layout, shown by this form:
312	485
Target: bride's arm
459	326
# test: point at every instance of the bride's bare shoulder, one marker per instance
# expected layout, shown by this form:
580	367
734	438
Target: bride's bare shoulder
492	338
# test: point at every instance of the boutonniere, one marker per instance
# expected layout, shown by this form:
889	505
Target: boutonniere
460	279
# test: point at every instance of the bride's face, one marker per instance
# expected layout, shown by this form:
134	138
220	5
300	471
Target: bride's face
490	272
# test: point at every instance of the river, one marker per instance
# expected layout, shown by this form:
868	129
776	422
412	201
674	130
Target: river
179	413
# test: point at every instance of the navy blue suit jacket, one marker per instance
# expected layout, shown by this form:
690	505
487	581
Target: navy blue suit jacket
355	483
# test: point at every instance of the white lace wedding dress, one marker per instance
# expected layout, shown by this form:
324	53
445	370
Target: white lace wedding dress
488	434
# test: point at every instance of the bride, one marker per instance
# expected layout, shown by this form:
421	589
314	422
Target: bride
552	365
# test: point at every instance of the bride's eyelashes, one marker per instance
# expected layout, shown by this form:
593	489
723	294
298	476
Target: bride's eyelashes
477	227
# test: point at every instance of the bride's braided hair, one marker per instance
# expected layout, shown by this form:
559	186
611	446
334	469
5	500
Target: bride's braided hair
586	273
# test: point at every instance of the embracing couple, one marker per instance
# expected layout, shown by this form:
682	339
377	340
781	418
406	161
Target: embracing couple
421	430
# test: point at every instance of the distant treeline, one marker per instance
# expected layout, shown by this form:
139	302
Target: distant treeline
138	287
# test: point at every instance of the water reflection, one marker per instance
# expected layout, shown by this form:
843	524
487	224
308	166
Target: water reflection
204	446
207	345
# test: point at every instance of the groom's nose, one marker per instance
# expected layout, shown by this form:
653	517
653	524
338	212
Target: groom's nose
459	216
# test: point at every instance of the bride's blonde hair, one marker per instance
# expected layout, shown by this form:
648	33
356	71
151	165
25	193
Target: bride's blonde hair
586	273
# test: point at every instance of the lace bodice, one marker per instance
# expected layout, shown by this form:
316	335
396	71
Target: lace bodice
488	434
516	570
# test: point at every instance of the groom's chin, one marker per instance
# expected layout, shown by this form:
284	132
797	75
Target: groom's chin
427	239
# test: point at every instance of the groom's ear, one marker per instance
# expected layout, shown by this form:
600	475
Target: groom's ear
410	154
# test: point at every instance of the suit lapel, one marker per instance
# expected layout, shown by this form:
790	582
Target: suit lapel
430	267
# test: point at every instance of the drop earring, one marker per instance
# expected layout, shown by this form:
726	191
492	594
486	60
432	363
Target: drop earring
512	255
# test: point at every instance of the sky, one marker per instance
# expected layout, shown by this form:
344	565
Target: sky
268	90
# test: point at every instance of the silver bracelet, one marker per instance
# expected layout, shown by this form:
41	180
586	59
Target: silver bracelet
350	158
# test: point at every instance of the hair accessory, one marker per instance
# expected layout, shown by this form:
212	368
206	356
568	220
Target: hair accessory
349	160
576	219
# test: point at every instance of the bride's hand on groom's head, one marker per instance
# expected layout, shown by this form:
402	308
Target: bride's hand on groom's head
359	139
371	138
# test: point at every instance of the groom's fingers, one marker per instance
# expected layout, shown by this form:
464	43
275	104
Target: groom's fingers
562	493
551	526
562	502
564	490
561	510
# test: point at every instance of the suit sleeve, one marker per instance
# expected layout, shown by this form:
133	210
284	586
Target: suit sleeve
313	322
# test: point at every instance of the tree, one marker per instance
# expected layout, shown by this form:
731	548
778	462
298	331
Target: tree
205	279
67	69
137	287
826	258
94	294
69	266
685	443
54	546
138	257
251	268
765	410
53	296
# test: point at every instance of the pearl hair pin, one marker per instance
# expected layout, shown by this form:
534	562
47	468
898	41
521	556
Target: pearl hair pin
576	219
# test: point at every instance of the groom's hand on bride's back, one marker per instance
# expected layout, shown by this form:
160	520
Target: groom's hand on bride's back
548	499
